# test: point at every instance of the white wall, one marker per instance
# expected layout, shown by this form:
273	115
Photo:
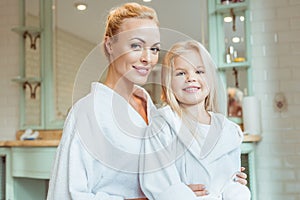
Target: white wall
9	91
276	68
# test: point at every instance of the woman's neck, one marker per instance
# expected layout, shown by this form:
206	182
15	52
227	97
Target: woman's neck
125	88
119	84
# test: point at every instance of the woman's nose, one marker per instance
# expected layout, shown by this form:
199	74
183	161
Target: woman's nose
146	55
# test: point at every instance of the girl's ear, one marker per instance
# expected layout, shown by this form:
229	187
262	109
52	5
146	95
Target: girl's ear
108	44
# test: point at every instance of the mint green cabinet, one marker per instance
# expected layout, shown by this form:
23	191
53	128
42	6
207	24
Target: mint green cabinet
230	47
7	188
31	170
27	172
248	161
32	162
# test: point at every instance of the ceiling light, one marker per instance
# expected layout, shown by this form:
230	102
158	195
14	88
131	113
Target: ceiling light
242	18
81	6
147	0
236	39
227	19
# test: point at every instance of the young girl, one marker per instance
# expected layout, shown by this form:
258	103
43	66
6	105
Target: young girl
188	141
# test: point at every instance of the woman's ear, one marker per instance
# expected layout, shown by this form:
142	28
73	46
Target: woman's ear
108	44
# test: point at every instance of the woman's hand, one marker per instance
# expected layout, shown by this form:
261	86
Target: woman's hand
241	177
198	189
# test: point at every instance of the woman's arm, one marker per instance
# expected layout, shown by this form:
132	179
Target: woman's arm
72	165
159	177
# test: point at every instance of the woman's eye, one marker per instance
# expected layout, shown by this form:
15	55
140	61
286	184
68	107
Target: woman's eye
136	47
155	50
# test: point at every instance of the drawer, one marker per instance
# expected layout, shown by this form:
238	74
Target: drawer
32	162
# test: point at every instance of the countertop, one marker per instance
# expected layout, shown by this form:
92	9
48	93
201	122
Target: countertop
47	138
251	138
51	138
29	143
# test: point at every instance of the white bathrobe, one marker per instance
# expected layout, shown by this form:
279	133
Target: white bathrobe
173	158
97	158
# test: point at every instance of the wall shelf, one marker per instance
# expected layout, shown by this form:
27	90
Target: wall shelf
28	31
237	7
32	83
234	65
32	30
24	79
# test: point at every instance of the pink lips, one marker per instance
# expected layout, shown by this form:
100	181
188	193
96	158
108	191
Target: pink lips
141	70
191	89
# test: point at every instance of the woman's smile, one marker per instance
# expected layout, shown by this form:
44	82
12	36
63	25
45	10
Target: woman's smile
143	71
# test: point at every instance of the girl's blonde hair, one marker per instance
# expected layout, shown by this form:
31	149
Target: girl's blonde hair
176	50
117	15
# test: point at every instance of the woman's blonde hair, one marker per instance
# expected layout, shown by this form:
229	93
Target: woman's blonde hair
117	15
176	50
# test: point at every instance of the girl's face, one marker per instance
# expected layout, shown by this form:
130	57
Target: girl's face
189	79
134	51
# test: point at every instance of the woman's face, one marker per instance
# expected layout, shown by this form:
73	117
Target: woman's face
189	79
134	51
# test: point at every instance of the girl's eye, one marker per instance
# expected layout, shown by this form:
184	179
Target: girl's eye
180	74
155	50
200	72
136	47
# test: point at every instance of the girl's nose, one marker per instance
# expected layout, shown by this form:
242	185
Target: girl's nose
190	78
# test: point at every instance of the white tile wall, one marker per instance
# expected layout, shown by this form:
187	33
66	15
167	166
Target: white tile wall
9	91
276	68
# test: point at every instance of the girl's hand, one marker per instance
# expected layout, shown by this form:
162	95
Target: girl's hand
241	177
198	189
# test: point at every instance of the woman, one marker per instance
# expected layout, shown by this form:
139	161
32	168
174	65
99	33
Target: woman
98	154
188	141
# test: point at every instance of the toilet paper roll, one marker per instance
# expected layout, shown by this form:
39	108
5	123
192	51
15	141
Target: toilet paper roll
251	115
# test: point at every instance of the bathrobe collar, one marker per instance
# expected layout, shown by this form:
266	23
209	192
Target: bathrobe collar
110	129
221	138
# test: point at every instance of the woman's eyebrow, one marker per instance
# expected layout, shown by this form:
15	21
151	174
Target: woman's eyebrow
136	38
143	41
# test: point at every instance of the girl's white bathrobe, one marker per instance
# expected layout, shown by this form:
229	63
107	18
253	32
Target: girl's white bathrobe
173	158
97	158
